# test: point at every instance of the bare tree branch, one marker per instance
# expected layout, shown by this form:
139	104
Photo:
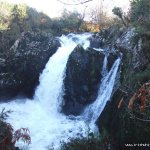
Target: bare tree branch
133	116
81	2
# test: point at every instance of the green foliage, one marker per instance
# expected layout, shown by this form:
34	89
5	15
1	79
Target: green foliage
140	16
131	78
104	134
146	47
4	114
71	20
140	19
19	12
5	13
14	32
140	9
68	22
15	19
117	11
141	77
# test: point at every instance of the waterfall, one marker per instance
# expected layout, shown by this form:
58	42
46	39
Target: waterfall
92	112
48	127
49	92
104	69
51	80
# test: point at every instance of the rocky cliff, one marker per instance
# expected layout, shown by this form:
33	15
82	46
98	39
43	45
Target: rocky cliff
21	64
119	121
83	77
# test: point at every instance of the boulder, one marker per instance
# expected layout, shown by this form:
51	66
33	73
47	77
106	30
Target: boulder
83	76
96	41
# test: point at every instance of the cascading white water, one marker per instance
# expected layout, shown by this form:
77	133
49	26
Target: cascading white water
104	69
51	80
48	127
92	112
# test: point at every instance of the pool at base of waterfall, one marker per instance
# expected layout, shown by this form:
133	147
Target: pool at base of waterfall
48	127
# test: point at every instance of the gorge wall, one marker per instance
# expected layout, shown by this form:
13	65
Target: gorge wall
22	63
83	77
121	123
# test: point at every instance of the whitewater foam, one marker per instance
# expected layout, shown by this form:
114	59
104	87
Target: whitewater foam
48	127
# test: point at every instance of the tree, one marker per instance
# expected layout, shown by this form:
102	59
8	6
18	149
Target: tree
140	16
140	10
5	14
71	21
19	14
99	16
118	12
140	19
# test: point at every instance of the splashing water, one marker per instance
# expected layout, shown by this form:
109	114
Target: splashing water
92	112
48	127
104	69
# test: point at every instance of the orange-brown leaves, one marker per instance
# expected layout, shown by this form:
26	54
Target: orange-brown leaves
131	101
120	103
142	96
12	137
23	134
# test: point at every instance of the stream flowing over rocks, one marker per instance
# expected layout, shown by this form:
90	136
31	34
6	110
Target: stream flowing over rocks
83	77
73	88
78	76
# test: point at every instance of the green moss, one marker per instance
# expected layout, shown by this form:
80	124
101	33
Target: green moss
141	77
104	135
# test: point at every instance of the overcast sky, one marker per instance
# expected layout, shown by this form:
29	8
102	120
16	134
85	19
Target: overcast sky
53	8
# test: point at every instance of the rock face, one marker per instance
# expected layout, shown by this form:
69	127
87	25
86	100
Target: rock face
123	41
83	76
135	69
96	42
24	61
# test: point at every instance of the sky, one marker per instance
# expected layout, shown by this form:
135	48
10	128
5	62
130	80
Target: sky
53	8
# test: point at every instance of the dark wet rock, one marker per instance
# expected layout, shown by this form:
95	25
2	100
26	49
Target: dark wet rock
83	75
25	60
96	42
121	126
111	59
122	40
